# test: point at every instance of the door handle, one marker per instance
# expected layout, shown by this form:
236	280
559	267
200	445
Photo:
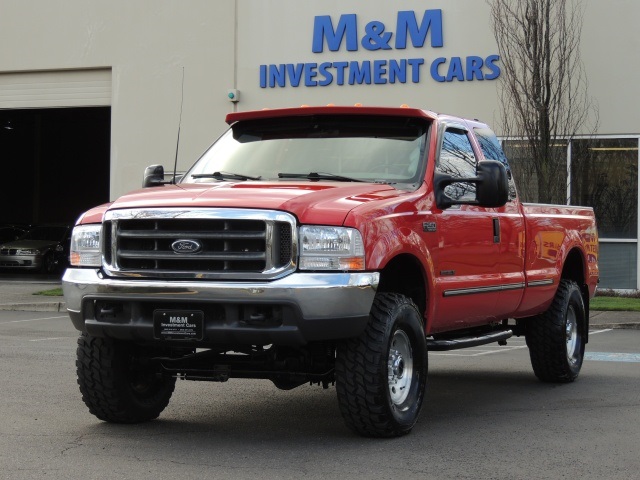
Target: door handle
496	230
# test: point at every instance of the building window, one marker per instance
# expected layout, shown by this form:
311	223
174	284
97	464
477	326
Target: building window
604	175
618	263
532	178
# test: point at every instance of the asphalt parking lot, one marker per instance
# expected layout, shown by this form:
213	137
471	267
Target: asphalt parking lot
486	416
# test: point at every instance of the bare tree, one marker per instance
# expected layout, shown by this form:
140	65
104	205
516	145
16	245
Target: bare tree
543	90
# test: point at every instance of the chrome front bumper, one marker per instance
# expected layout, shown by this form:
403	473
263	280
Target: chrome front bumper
317	306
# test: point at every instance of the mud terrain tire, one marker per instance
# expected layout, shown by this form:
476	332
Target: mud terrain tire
556	339
381	375
113	387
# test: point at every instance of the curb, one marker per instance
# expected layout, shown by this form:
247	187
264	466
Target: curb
627	326
35	307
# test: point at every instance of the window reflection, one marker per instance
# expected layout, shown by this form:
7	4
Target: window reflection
379	149
543	183
604	175
458	160
492	150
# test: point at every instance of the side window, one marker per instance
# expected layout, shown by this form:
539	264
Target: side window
458	160
492	150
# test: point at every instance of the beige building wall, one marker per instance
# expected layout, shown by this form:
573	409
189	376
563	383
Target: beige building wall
610	51
145	44
284	35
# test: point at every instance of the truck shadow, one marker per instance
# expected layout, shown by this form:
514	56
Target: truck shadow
250	413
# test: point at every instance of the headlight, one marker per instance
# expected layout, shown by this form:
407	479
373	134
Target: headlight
27	251
331	248
85	246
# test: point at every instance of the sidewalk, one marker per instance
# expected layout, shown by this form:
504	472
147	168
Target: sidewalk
19	295
599	319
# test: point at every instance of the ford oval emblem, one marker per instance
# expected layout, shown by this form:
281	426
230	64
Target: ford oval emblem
186	246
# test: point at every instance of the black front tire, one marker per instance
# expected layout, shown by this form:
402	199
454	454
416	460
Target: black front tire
49	264
381	375
556	339
114	386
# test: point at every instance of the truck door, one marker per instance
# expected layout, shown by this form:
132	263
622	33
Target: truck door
466	260
509	231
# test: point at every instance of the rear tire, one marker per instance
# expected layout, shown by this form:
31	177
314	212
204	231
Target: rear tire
381	375
556	339
113	385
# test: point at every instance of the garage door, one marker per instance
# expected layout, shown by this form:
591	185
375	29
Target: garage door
46	89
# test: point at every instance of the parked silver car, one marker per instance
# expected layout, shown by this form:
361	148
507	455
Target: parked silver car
45	248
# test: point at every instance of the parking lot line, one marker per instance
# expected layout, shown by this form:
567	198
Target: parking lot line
612	357
32	319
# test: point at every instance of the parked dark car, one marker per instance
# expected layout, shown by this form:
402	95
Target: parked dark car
43	248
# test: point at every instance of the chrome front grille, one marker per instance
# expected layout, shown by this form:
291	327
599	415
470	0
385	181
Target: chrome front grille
200	243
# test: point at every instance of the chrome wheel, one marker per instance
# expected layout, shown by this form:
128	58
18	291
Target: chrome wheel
381	375
400	367
572	337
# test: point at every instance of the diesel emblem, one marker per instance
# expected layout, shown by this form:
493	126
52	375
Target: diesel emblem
428	226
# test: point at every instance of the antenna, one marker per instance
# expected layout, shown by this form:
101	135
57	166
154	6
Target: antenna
175	164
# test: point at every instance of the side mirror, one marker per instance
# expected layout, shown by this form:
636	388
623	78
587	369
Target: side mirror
153	176
493	189
492	186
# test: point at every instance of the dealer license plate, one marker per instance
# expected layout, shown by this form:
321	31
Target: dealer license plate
178	324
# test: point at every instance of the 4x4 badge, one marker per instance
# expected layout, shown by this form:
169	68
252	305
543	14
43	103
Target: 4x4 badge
186	246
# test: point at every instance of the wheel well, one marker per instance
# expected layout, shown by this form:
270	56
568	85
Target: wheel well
573	269
405	275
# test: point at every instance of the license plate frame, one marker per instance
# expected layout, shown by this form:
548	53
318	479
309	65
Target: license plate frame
172	324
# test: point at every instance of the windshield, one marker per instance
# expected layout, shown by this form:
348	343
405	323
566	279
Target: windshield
45	233
362	148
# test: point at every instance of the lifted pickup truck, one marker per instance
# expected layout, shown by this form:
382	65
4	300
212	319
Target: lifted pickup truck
331	245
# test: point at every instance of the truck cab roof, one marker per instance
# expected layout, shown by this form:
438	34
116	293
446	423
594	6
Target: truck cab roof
330	110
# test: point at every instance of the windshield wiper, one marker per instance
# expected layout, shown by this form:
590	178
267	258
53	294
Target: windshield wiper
319	176
224	176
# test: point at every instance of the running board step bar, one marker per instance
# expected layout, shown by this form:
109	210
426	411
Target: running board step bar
466	342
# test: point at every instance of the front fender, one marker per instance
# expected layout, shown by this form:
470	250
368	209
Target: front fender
384	244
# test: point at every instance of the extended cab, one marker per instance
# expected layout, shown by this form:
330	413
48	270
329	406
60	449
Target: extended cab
326	245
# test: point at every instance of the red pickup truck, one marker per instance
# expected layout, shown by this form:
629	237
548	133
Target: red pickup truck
331	245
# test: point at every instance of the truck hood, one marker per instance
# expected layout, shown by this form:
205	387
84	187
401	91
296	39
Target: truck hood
321	202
